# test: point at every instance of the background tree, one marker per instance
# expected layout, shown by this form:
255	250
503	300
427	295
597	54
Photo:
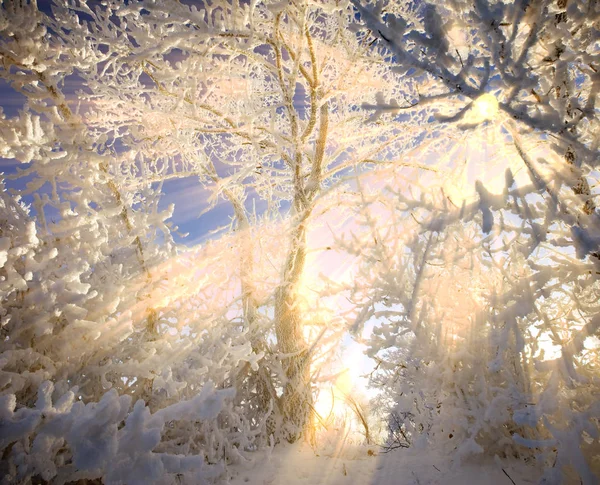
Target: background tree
539	230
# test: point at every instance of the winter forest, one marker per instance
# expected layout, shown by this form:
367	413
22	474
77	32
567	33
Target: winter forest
235	232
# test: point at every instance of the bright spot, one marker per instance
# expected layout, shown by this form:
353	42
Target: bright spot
332	401
549	351
342	401
484	108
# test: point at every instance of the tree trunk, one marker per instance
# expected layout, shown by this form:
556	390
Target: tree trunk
296	400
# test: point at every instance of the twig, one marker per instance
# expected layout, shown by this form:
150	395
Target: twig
508	476
460	58
437	468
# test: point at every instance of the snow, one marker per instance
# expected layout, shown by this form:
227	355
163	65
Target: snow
299	464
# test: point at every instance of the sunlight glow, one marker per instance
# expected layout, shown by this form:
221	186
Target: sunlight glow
486	153
342	397
485	108
332	401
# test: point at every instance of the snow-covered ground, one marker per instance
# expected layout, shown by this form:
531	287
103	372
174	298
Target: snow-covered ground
299	464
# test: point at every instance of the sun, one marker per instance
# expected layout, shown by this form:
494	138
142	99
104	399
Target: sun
483	153
485	108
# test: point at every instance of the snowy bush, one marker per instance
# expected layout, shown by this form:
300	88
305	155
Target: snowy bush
69	440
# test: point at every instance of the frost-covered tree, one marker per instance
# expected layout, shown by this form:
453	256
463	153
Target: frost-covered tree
516	84
252	100
262	104
81	275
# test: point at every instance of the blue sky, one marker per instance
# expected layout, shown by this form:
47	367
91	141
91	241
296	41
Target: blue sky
184	193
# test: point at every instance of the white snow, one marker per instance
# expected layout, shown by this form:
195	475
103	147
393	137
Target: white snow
299	464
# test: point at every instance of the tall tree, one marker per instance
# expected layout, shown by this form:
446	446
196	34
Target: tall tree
260	102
